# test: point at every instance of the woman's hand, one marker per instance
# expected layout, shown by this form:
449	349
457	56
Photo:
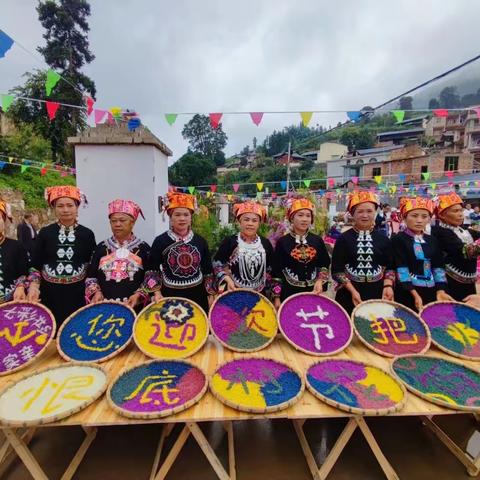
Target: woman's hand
387	293
417	299
157	296
33	293
318	287
442	296
473	300
19	294
133	300
230	283
97	297
277	303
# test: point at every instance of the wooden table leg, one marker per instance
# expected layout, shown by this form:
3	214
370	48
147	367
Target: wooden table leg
24	453
381	459
352	424
7	454
472	464
166	431
91	433
231	452
173	454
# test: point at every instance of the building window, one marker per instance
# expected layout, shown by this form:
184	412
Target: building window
376	172
424	169
360	162
451	163
372	160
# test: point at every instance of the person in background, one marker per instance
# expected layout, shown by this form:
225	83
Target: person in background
13	263
382	220
27	231
467	211
418	257
475	216
61	256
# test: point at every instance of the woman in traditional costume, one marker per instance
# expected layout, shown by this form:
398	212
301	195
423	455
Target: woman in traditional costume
13	263
418	257
117	268
458	245
179	263
301	258
61	256
362	263
245	259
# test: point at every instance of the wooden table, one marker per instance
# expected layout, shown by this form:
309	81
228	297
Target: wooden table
210	409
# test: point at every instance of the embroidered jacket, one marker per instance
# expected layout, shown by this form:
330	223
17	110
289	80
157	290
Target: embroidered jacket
13	268
117	270
418	261
362	256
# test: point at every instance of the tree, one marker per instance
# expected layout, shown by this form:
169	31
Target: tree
405	103
433	104
357	138
205	140
66	51
192	169
254	143
449	98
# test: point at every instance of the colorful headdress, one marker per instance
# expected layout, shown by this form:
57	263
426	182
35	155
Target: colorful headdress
125	206
180	200
61	191
363	196
296	204
249	207
445	201
409	204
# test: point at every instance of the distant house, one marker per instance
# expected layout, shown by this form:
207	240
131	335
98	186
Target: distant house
295	159
330	151
420	121
400	136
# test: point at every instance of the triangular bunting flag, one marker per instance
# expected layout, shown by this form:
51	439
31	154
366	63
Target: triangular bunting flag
110	118
98	115
23	168
306	117
90	103
236	186
43	171
5	43
402	177
2	164
378	179
440	112
355	180
477	111
331	182
393	188
191	190
10	159
213	188
307	183
449	174
433	186
354	116
215	119
6	102
229	197
259	186
116	112
170	118
256	117
52	79
52	108
426	175
283	184
399	115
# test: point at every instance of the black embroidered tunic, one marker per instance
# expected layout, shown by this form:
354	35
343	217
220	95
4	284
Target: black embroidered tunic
117	270
460	253
249	265
299	262
365	259
13	268
60	261
419	265
180	267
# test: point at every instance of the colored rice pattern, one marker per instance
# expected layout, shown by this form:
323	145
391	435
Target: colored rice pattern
25	331
355	386
454	327
243	320
171	328
256	384
51	394
158	388
390	329
315	324
96	332
440	381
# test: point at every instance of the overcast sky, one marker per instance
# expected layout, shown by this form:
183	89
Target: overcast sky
252	55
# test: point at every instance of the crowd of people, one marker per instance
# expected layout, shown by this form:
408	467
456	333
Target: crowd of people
62	267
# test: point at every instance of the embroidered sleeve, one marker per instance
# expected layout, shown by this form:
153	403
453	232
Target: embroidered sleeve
220	260
340	277
404	278
322	274
390	275
91	288
440	277
210	284
151	283
33	276
21	282
401	263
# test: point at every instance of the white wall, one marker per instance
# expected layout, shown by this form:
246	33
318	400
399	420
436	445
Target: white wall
131	172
